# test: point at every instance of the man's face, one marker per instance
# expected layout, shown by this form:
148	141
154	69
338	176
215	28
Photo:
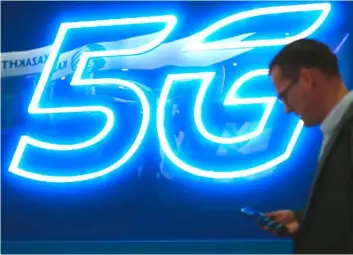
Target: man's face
298	96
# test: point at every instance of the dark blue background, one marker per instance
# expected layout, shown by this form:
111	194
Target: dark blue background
122	206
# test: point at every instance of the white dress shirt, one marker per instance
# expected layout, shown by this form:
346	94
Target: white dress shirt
334	117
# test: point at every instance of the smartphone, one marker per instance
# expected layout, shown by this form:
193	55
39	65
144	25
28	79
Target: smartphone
264	220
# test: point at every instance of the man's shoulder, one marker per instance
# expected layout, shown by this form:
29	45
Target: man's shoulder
349	112
348	118
347	127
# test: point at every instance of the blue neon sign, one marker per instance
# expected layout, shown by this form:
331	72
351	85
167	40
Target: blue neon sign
197	44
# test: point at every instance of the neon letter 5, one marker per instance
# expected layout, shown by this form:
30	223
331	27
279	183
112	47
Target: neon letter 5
78	80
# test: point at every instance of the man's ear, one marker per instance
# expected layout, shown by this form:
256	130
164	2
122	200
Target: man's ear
306	79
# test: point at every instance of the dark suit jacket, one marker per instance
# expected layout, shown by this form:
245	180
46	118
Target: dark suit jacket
327	222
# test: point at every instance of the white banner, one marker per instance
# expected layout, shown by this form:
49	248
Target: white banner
168	54
171	53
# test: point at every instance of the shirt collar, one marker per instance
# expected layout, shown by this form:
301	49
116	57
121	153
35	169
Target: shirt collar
336	114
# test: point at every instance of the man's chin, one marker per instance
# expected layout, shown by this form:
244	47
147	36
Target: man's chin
307	123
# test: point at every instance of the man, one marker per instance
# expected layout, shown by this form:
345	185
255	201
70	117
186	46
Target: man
307	79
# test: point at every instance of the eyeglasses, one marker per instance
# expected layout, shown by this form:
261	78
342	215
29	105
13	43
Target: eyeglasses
282	96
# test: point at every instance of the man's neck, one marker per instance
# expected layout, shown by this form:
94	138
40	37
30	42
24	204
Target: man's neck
334	98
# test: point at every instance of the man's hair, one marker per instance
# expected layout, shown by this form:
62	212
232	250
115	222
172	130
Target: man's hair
305	53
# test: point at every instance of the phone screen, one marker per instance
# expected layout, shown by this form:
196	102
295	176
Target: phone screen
264	220
252	212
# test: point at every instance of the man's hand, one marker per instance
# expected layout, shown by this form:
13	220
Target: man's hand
286	218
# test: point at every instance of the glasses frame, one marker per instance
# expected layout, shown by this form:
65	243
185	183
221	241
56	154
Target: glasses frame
282	96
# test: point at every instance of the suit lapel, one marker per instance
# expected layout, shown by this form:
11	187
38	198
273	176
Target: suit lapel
326	152
330	143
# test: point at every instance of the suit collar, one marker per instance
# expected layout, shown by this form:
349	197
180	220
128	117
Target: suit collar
348	114
334	117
